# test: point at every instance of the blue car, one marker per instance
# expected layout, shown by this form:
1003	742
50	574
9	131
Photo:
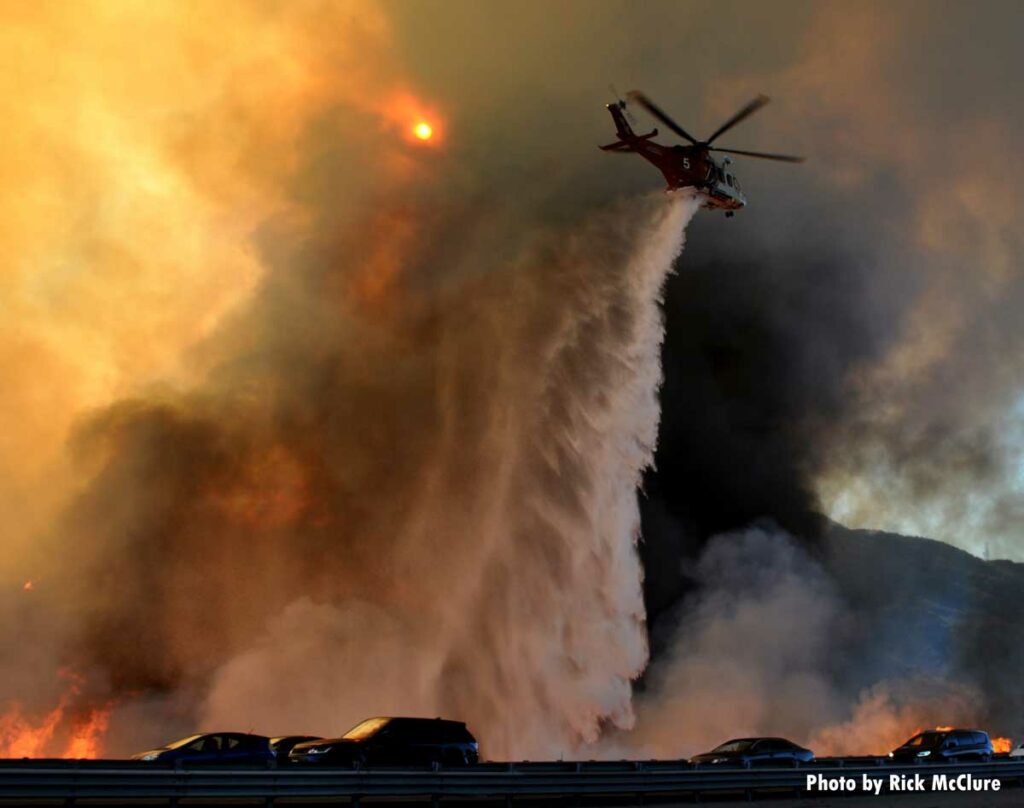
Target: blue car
755	752
213	747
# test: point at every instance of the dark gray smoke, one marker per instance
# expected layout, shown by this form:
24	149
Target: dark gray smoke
755	368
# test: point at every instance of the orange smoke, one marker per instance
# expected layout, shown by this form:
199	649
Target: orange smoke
81	731
393	235
418	122
885	718
130	237
269	493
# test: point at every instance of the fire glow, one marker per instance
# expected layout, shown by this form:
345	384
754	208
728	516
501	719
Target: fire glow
77	732
419	123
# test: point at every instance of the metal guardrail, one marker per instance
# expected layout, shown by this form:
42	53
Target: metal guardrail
73	781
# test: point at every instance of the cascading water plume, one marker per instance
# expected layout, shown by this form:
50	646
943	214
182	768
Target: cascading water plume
515	597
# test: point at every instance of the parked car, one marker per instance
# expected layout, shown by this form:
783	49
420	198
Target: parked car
1017	751
755	752
284	744
394	742
942	745
214	747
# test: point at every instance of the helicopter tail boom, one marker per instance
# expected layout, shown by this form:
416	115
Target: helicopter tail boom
627	137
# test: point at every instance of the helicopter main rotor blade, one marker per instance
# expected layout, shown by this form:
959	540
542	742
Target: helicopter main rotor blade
743	114
786	158
655	110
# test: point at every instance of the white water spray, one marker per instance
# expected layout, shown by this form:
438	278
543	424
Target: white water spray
515	598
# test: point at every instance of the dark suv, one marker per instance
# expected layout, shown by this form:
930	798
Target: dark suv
945	744
394	742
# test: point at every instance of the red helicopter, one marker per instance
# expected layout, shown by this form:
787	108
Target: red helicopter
690	166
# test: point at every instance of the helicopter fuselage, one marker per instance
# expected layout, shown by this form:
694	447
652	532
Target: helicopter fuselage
694	167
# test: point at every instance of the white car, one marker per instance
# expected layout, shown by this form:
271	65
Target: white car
1018	752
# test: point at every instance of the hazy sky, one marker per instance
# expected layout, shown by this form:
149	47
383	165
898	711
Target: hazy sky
146	148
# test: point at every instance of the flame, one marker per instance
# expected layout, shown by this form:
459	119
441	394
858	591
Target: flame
20	738
423	130
23	737
28	586
943	729
88	732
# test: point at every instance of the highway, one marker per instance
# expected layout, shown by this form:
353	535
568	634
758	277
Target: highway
619	783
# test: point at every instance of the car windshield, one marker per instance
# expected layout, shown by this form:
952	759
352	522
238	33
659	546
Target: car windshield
365	729
926	739
741	745
182	742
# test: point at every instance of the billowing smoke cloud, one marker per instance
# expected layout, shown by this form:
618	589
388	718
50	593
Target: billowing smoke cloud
889	713
929	440
770	642
508	589
750	651
425	501
269	362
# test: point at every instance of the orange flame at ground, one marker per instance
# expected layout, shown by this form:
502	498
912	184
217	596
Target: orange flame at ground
88	733
20	737
24	737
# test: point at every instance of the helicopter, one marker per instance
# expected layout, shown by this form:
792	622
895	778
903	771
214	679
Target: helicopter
690	166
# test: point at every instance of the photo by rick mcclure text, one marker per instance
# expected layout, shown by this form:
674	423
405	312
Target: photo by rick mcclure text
902	783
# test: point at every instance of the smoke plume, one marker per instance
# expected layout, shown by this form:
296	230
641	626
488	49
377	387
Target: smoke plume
749	652
295	396
433	513
514	594
770	641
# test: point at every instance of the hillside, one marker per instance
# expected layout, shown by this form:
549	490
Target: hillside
922	607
